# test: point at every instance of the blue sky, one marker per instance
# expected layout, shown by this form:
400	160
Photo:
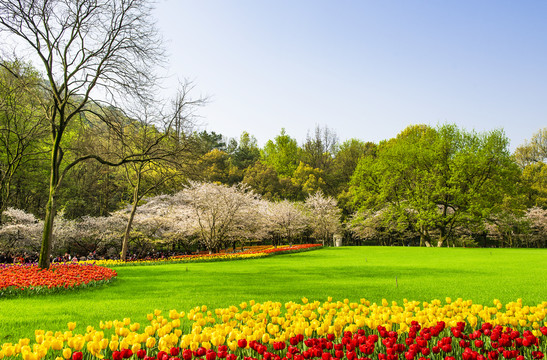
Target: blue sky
365	69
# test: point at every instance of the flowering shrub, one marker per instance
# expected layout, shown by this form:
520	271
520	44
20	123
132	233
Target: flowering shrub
254	252
309	330
28	279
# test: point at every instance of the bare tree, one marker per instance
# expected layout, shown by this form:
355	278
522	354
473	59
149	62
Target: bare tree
320	148
92	52
165	157
534	151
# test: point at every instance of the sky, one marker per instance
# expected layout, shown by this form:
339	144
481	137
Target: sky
365	69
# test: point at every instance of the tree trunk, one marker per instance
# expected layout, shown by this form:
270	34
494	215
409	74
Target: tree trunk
47	233
125	242
443	237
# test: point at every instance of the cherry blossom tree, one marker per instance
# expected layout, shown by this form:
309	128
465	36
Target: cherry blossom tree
222	214
285	219
537	218
324	216
20	232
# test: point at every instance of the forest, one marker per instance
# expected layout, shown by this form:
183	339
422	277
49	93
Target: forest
428	186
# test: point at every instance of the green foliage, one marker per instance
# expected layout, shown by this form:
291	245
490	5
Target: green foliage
532	159
308	179
437	179
247	152
22	130
282	154
263	179
534	178
215	166
208	141
347	157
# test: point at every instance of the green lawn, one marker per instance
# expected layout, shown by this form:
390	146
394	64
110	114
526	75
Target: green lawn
351	272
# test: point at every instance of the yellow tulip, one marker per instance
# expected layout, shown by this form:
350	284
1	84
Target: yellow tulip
113	345
28	355
103	343
67	353
150	342
71	326
8	351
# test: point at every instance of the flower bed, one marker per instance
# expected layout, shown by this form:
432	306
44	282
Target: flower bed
308	330
30	279
253	253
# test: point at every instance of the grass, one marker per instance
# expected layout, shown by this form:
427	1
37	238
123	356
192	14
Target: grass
373	273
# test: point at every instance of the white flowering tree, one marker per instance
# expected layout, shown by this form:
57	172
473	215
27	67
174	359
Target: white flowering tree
323	215
221	214
537	218
20	232
165	219
285	220
97	233
178	224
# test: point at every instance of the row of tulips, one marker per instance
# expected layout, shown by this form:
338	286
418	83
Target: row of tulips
252	253
28	279
330	330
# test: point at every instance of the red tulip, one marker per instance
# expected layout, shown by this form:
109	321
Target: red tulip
201	351
409	355
187	354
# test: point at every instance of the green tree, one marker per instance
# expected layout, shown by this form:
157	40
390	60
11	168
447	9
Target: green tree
208	141
532	159
437	179
247	151
282	154
22	129
347	157
263	180
308	179
215	166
